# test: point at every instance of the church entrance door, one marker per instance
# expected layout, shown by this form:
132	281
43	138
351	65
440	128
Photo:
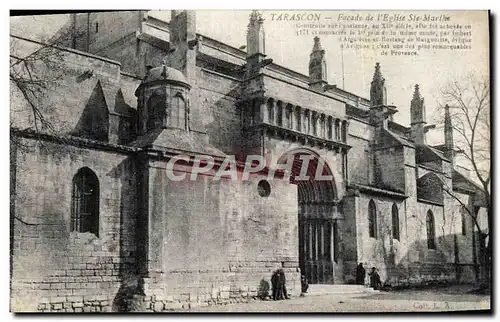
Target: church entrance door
318	230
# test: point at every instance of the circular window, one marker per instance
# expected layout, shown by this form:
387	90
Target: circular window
264	188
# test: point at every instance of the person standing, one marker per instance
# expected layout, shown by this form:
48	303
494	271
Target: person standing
360	274
275	282
374	279
282	283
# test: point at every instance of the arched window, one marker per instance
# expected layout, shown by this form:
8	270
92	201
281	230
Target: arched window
314	121
178	112
298	119
306	122
431	231
372	219
279	106
289	116
156	112
395	222
322	126
463	216
85	202
337	130
329	127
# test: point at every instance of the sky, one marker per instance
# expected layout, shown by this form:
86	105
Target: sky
431	70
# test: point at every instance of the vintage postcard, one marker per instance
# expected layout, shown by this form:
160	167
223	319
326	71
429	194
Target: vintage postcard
250	161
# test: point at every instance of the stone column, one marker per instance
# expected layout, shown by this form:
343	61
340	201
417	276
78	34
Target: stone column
330	127
276	113
322	241
298	120
303	114
318	124
264	117
307	122
343	131
323	126
337	130
332	245
270	111
292	116
309	257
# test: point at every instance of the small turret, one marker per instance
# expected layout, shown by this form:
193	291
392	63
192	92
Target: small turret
317	66
256	41
448	134
417	112
378	92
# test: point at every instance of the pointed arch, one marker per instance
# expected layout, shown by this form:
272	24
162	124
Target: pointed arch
85	202
178	112
279	107
395	222
318	201
333	189
337	130
156	111
431	230
430	187
372	219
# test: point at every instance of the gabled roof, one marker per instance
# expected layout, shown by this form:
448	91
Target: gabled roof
398	128
387	137
462	182
426	153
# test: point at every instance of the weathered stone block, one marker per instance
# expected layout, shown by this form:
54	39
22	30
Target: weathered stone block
158	306
173	306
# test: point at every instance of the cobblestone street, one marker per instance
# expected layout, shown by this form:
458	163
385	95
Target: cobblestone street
402	301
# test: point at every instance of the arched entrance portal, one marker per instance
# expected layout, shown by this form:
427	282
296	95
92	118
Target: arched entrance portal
318	229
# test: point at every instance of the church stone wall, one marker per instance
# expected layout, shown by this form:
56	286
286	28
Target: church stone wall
358	161
389	168
101	31
277	148
350	206
382	252
217	97
303	97
82	85
214	242
429	264
55	269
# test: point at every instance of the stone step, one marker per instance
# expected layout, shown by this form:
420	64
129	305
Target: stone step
327	289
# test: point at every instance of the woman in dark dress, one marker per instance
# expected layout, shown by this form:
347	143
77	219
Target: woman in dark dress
374	279
360	274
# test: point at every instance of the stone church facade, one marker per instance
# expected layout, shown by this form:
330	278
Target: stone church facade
94	219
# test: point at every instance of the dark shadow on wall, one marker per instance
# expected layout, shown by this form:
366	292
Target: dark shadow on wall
129	295
224	130
263	289
127	126
94	121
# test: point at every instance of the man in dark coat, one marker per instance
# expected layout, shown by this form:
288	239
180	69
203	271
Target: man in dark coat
282	283
360	274
374	279
275	281
304	284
